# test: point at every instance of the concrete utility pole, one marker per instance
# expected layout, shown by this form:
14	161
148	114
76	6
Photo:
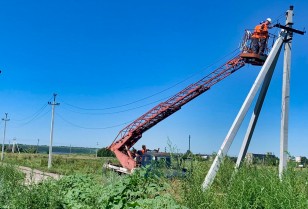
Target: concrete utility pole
14	143
263	79
5	120
255	115
38	141
96	148
269	63
53	104
284	130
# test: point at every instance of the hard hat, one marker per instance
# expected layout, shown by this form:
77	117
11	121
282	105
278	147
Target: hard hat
269	19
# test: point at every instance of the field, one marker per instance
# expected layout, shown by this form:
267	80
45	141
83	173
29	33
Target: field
86	186
62	164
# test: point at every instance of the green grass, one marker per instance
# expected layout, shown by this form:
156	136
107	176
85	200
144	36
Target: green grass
139	190
250	187
85	186
62	164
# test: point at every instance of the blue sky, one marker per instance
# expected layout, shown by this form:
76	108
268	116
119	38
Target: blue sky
112	61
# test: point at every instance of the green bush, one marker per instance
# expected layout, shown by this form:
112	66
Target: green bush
79	191
104	152
16	195
139	190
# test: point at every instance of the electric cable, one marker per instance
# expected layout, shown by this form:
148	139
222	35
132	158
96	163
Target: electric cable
33	119
78	126
41	109
130	103
117	112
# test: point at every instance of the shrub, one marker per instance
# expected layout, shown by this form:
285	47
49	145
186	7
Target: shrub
104	152
139	190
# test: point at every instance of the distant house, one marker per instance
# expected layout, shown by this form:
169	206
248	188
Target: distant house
301	161
268	158
203	156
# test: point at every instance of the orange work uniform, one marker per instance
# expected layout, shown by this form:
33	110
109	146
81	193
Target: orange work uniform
261	31
259	38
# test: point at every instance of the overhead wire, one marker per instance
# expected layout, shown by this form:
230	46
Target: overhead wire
33	115
83	127
36	113
34	118
276	19
130	103
108	127
279	17
121	111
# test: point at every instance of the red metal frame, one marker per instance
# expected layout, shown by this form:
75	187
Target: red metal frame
129	135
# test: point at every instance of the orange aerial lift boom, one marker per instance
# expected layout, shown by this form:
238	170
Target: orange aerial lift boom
129	135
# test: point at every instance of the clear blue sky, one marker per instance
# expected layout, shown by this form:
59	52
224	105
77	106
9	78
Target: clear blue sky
110	55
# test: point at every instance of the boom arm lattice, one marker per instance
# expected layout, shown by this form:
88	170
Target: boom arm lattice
129	135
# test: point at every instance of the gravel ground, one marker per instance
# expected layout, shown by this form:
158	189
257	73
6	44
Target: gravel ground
36	176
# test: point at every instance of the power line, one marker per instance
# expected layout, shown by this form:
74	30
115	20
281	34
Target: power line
130	103
35	113
33	119
78	126
121	111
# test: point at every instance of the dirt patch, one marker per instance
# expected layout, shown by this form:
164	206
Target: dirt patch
36	176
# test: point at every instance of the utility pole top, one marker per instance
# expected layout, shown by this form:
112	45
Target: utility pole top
288	25
54	100
5	119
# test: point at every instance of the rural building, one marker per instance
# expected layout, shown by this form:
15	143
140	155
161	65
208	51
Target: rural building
268	158
301	161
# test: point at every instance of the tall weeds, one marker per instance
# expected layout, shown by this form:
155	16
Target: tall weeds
250	187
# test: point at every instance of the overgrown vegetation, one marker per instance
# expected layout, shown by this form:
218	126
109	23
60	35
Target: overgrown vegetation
62	164
104	152
252	186
83	191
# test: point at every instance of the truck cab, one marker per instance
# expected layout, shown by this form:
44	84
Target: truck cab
161	162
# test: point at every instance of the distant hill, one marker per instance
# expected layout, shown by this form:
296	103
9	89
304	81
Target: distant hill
55	149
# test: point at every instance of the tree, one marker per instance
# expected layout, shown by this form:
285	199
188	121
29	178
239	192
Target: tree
104	152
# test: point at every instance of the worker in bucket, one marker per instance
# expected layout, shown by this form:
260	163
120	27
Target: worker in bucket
260	36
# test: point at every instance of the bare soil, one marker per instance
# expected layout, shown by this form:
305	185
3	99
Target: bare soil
36	176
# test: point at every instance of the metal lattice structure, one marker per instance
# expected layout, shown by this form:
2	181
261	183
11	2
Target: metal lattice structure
129	135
